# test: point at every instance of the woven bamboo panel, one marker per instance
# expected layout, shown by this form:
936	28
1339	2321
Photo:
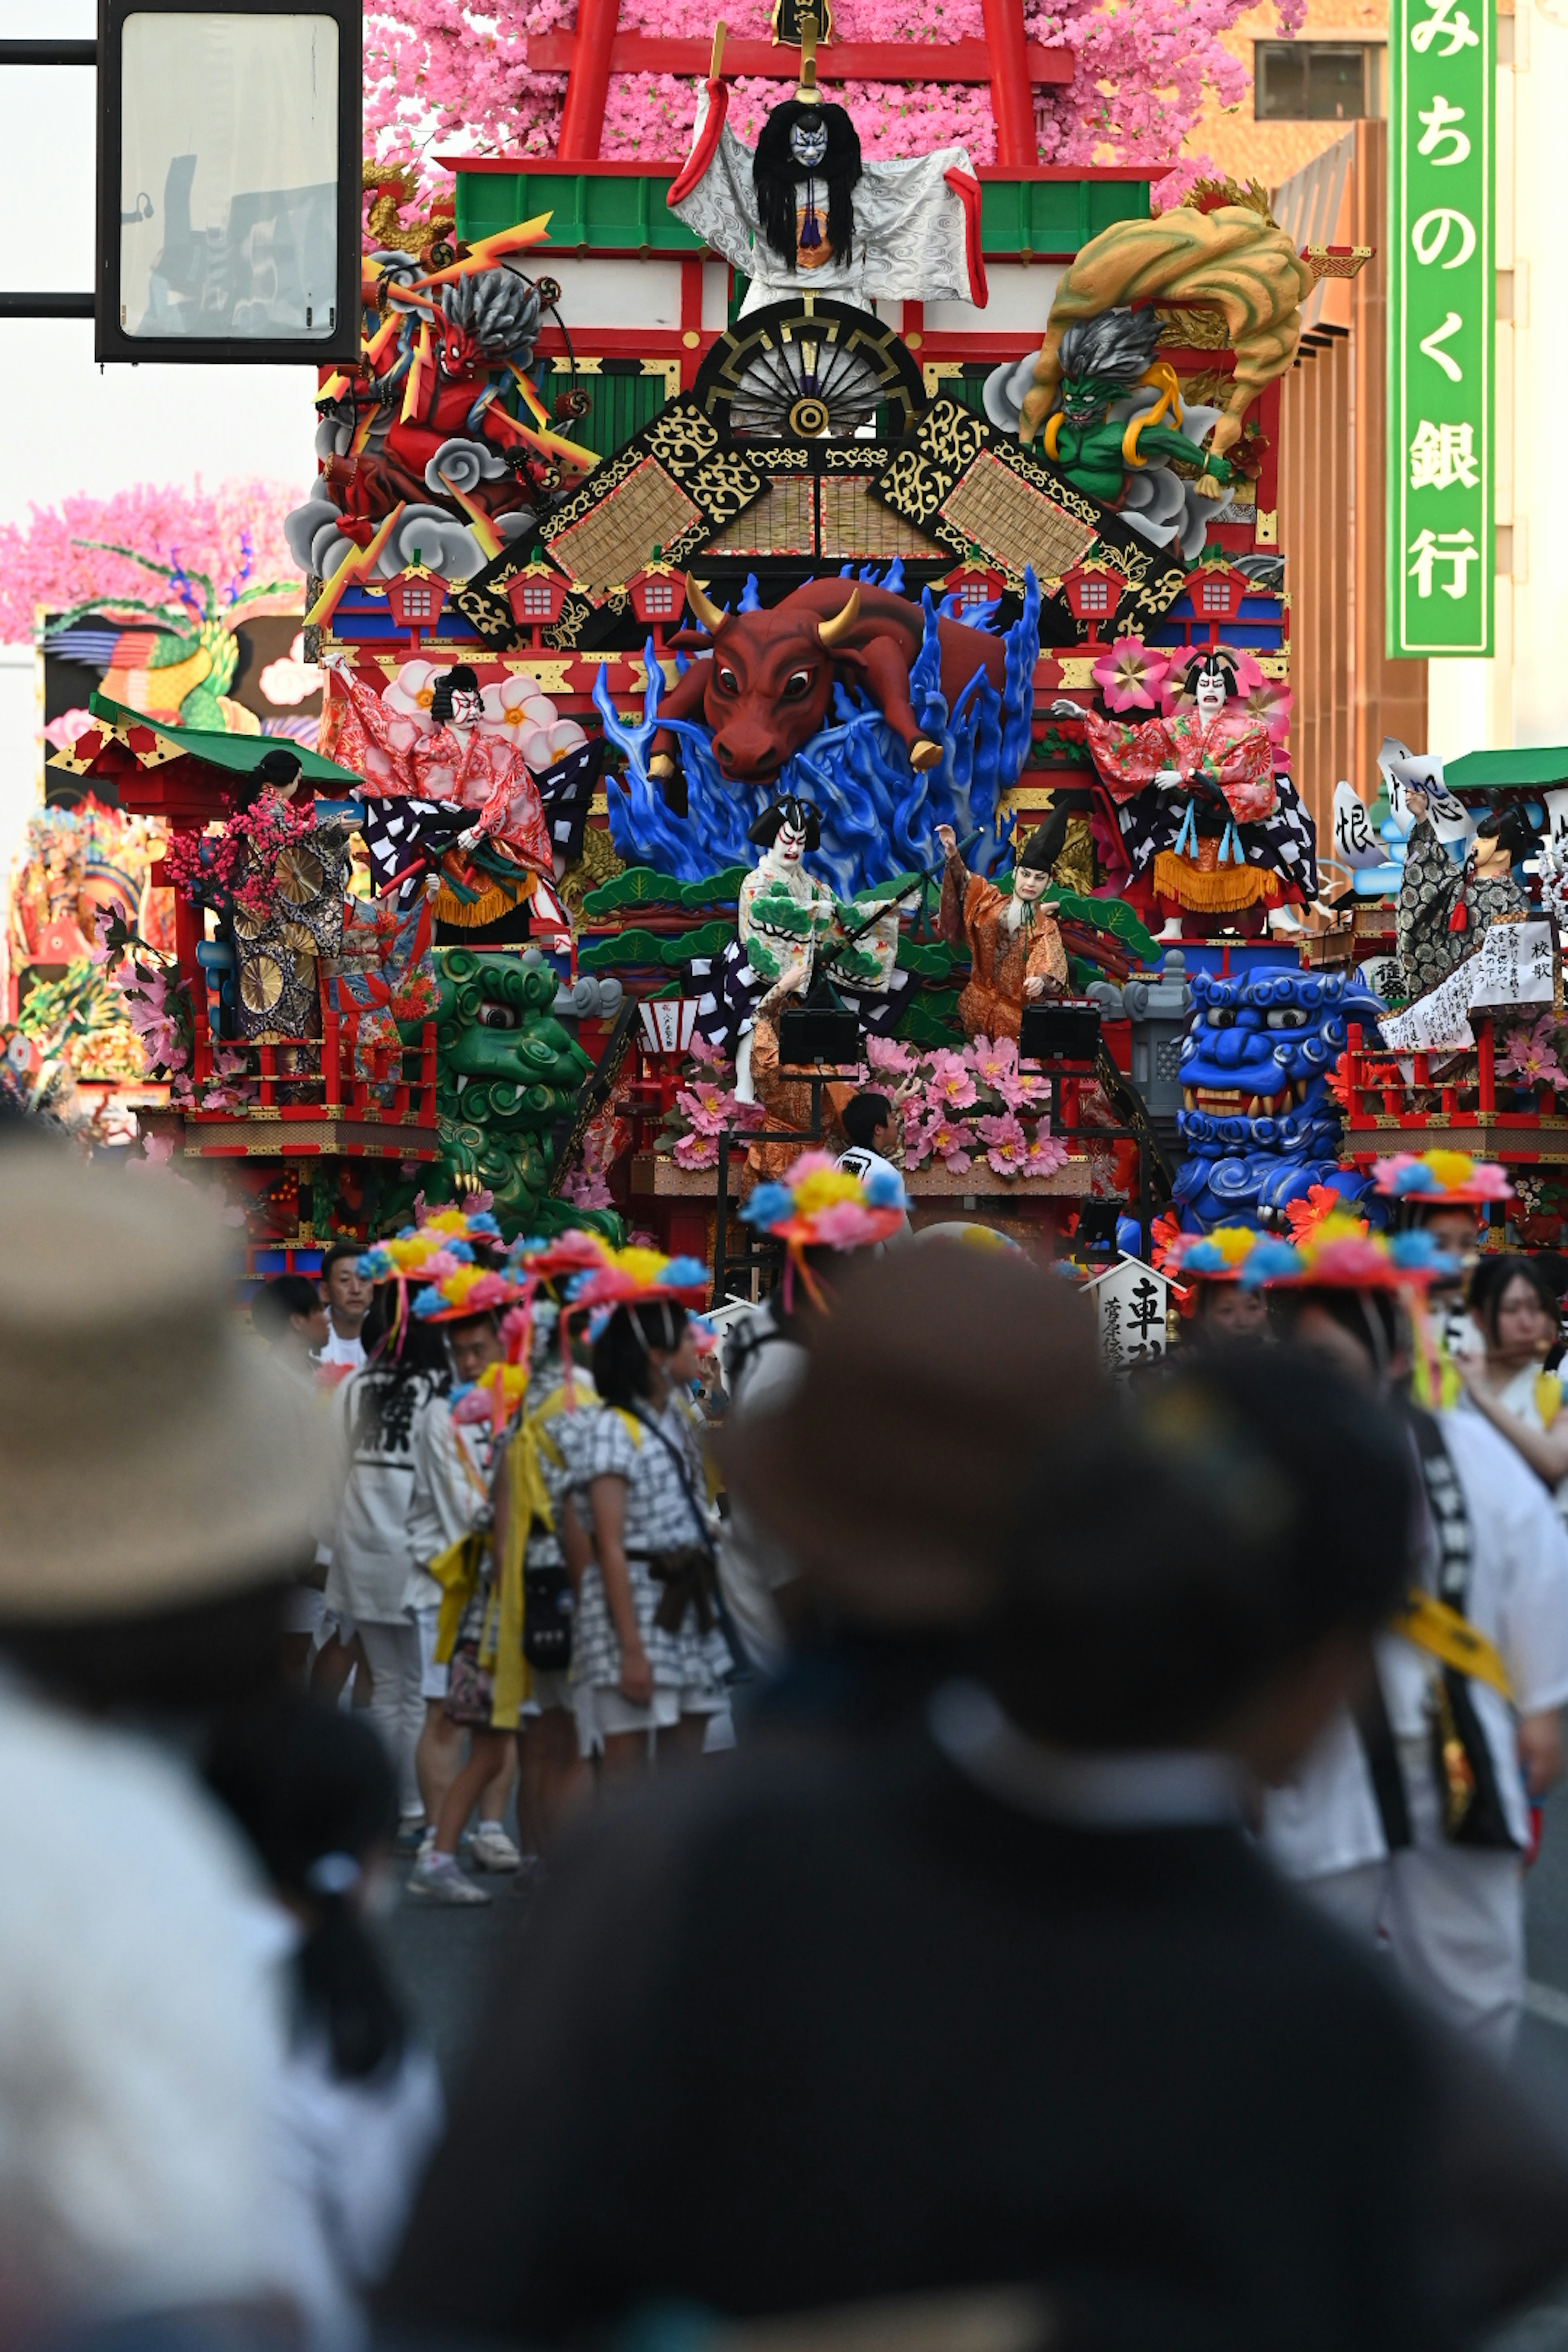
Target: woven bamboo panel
782	521
1014	522
611	542
856	524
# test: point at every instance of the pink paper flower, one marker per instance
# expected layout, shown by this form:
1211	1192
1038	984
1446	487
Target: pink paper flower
703	1108
158	1149
889	1056
1023	1092
994	1061
1271	702
948	1140
696	1151
1006	1144
1130	675
1044	1155
951	1085
1533	1054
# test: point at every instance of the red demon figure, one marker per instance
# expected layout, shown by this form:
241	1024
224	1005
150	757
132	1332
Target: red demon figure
769	686
450	433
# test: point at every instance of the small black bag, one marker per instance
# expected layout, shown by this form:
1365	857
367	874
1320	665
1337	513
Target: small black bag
548	1603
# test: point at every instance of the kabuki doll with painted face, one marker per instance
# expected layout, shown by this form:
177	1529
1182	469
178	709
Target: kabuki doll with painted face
791	925
462	759
1222	839
1015	947
804	209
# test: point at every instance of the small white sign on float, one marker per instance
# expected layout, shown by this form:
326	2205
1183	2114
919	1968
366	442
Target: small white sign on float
1131	1301
1513	965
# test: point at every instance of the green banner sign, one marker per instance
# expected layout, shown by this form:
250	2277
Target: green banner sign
1440	296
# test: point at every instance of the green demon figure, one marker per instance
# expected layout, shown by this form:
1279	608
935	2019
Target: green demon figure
1111	429
508	1074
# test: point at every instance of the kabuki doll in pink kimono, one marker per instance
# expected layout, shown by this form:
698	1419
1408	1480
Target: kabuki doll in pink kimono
1222	838
454	757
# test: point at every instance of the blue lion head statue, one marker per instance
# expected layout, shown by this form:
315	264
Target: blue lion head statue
1259	1122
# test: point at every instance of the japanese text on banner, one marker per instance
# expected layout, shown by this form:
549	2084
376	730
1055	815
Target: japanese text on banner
1440	312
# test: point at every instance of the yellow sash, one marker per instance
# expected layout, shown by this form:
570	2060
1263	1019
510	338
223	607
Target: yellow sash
1443	1633
457	1572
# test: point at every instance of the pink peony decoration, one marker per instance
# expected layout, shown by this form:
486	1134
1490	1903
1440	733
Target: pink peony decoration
1044	1155
1006	1144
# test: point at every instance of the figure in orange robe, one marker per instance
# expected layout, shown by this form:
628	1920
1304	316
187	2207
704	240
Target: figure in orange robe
1012	941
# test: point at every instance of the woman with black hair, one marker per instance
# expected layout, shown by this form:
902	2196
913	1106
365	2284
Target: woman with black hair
358	2106
374	1564
647	1654
1514	1304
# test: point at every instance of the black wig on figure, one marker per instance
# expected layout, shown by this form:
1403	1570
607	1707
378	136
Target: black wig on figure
776	176
799	815
460	680
1512	827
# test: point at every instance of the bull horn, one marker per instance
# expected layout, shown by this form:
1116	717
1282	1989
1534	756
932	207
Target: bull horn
833	632
703	606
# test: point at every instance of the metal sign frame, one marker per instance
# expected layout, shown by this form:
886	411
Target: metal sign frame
1441	302
110	342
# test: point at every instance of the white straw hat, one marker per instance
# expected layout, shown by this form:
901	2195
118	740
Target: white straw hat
148	1455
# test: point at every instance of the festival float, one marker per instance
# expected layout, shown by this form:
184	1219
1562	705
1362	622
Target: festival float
789	621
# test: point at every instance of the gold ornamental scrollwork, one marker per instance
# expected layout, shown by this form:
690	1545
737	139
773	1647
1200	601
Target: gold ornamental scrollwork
949	434
913	486
680	436
724	486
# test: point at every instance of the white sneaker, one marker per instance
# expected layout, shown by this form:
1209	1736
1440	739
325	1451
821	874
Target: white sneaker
493	1849
435	1879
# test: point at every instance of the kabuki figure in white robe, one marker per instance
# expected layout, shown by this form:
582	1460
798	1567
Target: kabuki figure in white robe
804	212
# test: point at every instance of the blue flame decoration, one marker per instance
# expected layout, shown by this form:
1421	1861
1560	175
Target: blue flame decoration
878	814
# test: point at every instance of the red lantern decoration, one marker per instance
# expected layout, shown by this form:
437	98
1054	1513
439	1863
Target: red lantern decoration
1214	592
658	592
976	583
1093	591
415	598
537	597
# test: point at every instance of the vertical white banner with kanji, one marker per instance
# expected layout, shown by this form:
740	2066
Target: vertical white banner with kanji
1440	333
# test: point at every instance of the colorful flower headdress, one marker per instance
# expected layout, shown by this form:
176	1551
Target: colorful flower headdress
465	1290
1441	1177
1341	1254
437	1248
820	1205
1218	1256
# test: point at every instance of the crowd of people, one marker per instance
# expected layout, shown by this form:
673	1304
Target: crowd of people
985	1829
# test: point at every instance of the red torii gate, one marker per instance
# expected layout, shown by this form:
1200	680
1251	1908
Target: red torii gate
1005	58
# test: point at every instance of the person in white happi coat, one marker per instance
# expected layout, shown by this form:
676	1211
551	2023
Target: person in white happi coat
1409	1823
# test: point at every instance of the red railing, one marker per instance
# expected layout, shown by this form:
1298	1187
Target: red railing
321	1077
1378	1101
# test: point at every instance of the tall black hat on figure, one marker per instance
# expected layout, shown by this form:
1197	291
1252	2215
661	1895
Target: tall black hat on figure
1045	844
